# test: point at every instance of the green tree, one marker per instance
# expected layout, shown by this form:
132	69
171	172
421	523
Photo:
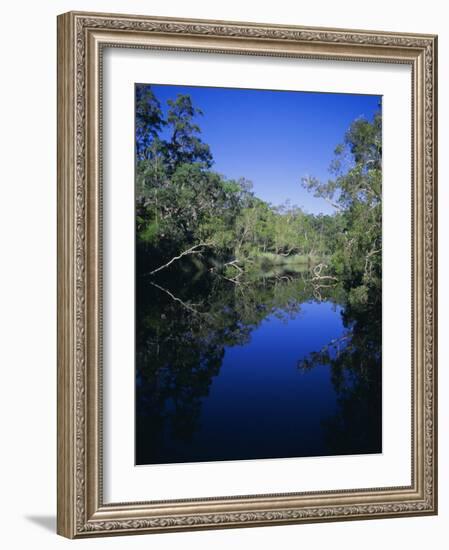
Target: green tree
149	122
184	145
356	194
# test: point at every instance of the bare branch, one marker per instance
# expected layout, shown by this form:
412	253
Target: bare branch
191	250
317	273
332	203
176	299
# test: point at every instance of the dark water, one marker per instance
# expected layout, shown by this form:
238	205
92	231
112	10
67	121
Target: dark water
268	369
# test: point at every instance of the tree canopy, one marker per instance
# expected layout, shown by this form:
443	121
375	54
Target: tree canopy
188	211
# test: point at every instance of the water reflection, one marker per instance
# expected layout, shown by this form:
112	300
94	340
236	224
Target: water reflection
271	368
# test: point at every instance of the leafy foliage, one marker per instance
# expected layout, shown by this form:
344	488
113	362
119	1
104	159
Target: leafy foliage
183	204
149	122
356	193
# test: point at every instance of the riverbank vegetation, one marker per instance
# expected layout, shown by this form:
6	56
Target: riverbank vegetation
191	217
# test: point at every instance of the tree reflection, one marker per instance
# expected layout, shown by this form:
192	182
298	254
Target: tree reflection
181	336
355	362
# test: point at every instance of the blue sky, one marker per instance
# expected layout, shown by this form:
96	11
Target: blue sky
274	138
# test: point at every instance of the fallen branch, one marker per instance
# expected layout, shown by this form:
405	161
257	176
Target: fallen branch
234	263
191	250
235	280
318	268
317	274
176	299
324	286
286	253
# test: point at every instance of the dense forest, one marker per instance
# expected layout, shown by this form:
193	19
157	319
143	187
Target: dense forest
189	215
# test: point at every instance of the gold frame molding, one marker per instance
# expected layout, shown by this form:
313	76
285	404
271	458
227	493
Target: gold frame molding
81	39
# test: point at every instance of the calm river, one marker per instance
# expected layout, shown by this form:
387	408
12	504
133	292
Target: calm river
268	369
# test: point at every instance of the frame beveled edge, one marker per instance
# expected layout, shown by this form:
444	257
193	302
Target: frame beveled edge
81	511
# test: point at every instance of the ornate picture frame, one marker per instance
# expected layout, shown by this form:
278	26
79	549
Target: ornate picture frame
82	38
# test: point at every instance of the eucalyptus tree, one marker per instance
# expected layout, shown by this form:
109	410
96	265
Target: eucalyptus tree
355	191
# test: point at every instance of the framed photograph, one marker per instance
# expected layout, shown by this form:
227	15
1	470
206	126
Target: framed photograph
246	274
